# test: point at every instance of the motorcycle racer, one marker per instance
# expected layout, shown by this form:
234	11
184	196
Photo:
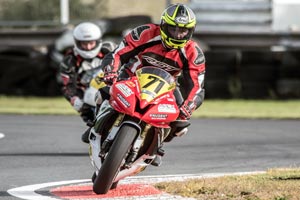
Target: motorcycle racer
168	46
80	64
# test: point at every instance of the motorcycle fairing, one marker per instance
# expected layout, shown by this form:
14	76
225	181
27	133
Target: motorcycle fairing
144	106
147	96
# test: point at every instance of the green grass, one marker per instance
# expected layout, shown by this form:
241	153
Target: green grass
275	184
275	109
35	105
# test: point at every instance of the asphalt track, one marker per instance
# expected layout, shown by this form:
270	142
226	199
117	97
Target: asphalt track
38	151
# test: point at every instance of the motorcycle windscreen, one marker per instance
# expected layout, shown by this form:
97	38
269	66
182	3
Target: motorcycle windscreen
153	82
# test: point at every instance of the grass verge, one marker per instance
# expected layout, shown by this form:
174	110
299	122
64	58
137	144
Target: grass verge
35	106
274	109
275	184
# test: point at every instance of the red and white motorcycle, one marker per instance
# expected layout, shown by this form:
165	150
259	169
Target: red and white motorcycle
131	126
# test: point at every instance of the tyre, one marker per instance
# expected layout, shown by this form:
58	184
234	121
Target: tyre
217	89
94	177
221	58
288	88
113	160
114	185
252	57
257	90
258	72
219	72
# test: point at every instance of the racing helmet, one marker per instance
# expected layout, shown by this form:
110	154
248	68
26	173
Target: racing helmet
177	25
87	34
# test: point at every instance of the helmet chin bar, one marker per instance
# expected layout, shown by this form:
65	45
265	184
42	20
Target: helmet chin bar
173	44
166	45
170	42
88	54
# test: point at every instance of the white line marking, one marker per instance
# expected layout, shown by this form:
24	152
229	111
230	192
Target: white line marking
2	135
181	177
28	192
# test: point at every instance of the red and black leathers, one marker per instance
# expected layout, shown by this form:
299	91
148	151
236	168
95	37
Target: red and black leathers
143	47
76	73
72	70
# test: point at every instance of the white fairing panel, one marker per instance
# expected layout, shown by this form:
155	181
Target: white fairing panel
94	150
90	96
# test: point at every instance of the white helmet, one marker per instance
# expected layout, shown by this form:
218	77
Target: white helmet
87	32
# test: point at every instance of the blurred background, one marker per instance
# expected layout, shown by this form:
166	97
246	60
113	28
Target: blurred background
252	47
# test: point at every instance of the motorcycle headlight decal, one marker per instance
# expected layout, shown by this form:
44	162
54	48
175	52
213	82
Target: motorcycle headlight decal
166	108
158	116
126	91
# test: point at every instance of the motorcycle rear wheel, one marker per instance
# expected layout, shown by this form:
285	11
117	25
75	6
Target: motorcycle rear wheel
111	165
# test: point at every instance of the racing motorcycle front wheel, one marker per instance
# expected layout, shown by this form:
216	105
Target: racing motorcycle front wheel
112	163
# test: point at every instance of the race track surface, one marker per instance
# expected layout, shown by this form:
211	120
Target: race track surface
43	149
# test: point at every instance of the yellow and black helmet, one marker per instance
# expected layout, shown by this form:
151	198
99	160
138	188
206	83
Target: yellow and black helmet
177	25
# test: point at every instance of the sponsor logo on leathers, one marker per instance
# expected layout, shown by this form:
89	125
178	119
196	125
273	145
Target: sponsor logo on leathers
157	63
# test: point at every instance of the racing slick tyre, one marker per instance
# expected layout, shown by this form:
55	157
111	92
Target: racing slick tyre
113	160
113	186
94	177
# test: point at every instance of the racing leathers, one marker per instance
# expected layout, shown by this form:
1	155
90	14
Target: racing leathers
143	47
76	74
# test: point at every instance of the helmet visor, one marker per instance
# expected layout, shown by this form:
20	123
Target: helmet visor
87	45
177	33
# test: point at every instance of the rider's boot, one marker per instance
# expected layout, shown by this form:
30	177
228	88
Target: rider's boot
178	129
157	161
158	158
85	135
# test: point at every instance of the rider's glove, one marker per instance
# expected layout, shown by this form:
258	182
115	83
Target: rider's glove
109	75
77	103
186	112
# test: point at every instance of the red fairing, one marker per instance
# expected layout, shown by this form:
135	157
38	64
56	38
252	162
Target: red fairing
123	97
164	111
160	112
